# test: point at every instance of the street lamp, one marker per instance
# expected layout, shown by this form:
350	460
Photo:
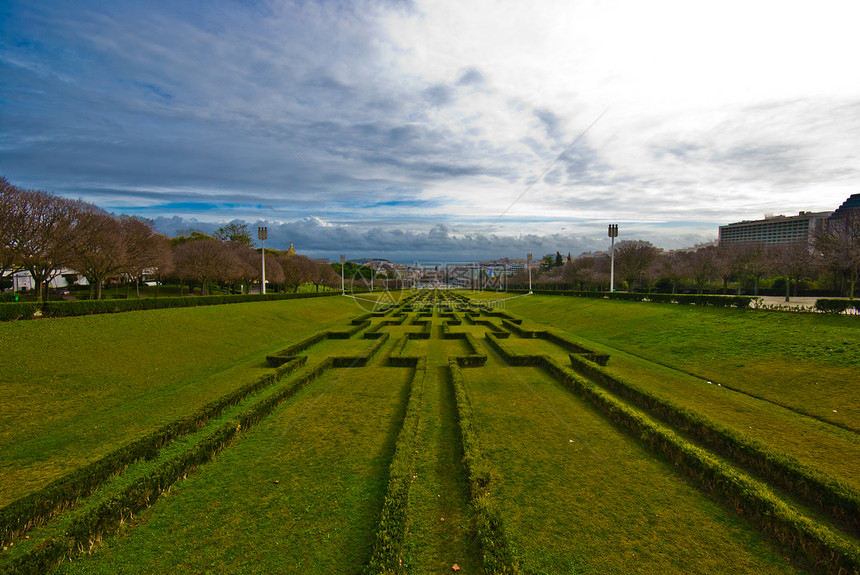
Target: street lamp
342	273
263	235
613	233
529	266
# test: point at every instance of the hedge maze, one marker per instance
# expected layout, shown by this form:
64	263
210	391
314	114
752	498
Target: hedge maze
510	453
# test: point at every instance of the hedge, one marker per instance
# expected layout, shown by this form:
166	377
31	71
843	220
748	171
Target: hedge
496	551
387	554
361	359
837	305
821	546
20	515
90	526
832	496
89	307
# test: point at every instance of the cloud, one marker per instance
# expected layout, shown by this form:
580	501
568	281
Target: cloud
387	118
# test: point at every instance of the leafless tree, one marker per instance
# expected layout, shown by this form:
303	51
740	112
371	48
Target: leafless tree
10	217
40	235
203	261
633	259
839	243
297	271
97	250
792	260
701	265
145	249
324	275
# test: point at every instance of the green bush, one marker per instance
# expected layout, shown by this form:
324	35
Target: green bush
20	310
836	305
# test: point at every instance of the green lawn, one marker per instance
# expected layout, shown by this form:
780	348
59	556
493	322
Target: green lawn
807	362
301	492
330	460
582	497
73	389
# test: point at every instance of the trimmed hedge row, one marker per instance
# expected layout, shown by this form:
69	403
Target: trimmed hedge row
18	516
837	305
497	555
396	357
88	528
821	546
361	359
90	307
17	310
511	356
834	497
387	554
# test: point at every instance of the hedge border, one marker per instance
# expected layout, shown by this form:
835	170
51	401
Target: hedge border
832	496
497	554
817	543
28	310
22	514
91	526
391	534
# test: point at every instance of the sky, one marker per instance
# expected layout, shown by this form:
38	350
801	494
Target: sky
435	130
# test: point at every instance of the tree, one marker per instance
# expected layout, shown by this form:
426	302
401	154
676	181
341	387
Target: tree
559	261
839	243
97	249
792	260
633	258
671	268
236	233
204	261
701	265
146	250
324	275
10	218
297	271
40	235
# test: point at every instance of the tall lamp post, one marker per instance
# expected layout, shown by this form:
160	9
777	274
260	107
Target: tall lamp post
263	235
342	273
613	233
529	265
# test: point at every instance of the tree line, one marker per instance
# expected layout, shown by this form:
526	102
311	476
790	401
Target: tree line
831	261
46	234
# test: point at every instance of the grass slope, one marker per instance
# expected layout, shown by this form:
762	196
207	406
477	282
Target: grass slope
807	362
73	389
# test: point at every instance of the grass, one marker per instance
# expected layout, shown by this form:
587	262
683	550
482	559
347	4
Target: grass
576	494
634	516
807	362
330	460
73	389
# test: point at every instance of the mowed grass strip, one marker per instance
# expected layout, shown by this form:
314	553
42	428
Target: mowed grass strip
819	446
328	449
441	527
73	389
807	362
580	496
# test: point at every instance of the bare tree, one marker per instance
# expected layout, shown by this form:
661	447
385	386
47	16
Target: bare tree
701	265
671	268
97	250
633	258
297	271
145	249
10	220
792	260
41	235
839	243
324	275
204	261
